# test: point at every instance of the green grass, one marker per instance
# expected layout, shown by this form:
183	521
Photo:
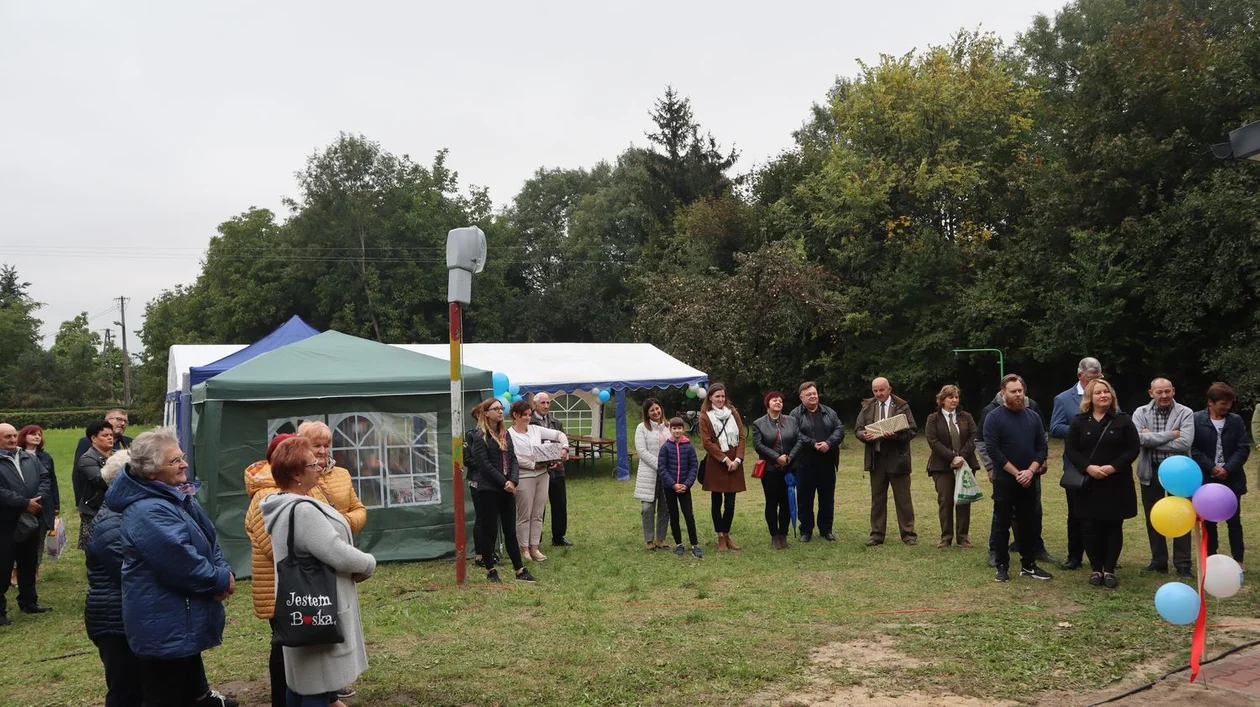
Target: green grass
609	623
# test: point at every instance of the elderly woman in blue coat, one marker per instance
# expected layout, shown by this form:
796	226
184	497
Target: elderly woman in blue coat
174	577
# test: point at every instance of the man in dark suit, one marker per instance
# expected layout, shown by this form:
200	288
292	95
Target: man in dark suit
822	431
24	482
1067	405
887	460
117	419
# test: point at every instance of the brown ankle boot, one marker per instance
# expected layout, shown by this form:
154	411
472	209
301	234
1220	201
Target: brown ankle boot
722	541
730	544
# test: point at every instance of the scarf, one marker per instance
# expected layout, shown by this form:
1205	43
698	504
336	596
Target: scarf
717	416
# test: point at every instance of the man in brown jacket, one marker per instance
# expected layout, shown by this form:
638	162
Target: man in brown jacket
887	460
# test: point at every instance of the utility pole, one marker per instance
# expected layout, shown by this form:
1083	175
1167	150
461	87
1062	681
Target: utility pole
109	344
122	325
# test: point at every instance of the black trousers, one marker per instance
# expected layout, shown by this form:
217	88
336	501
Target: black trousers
1012	502
494	509
815	477
1075	529
723	511
122	671
681	502
177	682
25	555
1103	541
1236	545
778	515
1159	544
559	498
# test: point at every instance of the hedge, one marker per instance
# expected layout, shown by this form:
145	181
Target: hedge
76	418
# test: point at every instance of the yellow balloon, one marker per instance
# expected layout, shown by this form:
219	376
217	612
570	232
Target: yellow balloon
1173	517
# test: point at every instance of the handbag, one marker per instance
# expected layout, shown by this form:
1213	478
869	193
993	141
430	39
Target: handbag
306	598
55	543
759	469
1074	479
27	526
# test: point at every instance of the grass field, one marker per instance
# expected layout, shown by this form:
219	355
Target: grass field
609	623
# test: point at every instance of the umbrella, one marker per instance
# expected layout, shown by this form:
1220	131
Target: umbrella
790	479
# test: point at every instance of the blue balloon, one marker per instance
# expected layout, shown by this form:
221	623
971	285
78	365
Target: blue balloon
500	382
1180	476
1177	603
514	389
604	396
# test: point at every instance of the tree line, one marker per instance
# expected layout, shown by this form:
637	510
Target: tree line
1052	198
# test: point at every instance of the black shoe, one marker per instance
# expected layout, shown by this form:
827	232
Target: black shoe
525	576
1185	573
1109	581
493	577
479	562
1002	575
992	558
36	609
1043	556
215	699
1070	564
1035	572
1095	579
1162	569
680	550
829	536
561	542
806	537
4	620
347	691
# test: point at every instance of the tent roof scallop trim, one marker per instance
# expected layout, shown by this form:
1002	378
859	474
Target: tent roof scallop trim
336	365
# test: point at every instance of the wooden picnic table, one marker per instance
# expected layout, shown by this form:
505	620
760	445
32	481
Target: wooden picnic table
586	448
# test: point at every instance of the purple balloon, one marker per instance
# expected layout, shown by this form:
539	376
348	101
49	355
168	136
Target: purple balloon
1215	502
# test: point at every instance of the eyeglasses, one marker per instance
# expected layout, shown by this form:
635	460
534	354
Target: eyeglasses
495	408
177	460
314	465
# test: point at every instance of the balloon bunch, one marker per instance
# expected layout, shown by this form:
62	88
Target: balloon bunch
695	390
603	395
1191	502
504	389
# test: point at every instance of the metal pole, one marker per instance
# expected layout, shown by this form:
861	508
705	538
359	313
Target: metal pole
122	325
457	438
1001	358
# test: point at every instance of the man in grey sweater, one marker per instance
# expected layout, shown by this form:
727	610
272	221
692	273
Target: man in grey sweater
1165	428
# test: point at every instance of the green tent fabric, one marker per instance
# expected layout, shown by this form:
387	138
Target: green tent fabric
390	413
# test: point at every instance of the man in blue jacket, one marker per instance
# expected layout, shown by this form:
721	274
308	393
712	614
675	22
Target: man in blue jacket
1067	405
1221	449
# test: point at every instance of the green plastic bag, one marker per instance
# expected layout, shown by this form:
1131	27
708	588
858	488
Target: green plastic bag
966	490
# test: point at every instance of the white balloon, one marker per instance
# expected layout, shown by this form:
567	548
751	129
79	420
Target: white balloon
1223	577
702	393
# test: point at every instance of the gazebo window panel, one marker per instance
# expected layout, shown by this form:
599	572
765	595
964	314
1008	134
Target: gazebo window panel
574	413
357	446
411	454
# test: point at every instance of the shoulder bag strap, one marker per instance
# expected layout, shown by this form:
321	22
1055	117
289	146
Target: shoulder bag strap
1100	439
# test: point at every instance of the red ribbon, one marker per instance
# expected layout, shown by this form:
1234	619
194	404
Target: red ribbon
1200	626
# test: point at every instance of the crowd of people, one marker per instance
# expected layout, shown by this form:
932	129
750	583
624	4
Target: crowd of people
157	578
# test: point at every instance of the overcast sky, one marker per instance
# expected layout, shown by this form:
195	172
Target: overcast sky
131	130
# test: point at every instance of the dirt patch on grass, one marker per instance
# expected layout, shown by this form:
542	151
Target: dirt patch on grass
866	672
247	692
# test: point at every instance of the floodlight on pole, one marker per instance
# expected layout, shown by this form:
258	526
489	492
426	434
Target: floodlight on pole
1244	144
465	256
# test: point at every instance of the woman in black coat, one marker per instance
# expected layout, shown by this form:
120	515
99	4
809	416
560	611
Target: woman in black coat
1103	443
492	474
778	441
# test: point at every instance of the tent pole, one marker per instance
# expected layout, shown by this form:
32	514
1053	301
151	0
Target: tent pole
457	438
623	451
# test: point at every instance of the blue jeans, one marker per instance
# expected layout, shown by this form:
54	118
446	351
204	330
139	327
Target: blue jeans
1005	538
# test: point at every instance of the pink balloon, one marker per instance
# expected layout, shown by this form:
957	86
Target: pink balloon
1215	502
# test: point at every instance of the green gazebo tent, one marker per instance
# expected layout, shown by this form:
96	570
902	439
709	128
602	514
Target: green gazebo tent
389	410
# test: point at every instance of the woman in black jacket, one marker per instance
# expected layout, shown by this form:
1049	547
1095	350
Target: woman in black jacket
492	474
1103	443
89	487
777	441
